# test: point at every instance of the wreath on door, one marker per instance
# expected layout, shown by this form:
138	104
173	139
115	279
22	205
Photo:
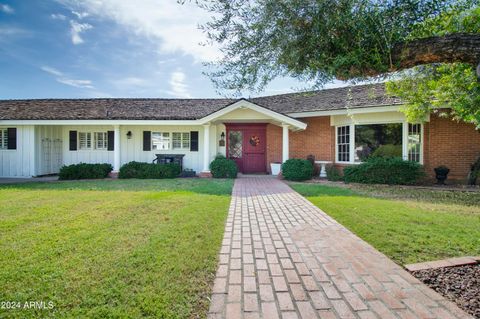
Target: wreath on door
254	140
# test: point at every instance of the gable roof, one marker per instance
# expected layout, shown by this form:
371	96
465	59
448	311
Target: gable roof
189	109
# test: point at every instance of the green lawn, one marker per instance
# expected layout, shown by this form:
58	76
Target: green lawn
408	225
111	249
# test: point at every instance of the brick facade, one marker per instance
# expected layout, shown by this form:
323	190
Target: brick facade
274	145
455	145
446	142
318	140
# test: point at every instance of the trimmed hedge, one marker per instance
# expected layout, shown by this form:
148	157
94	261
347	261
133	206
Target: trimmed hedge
84	171
221	167
296	169
378	170
149	170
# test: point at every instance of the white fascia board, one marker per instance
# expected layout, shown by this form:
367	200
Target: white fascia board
260	109
367	109
100	122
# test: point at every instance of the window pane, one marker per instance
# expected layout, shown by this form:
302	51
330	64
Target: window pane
414	142
185	140
378	140
3	139
160	141
343	143
176	140
84	140
235	141
101	140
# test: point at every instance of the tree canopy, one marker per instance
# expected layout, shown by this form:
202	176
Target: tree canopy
320	40
449	89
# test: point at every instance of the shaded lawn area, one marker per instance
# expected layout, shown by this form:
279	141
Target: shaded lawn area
136	248
405	229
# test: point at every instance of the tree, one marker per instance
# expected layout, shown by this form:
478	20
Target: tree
320	40
449	89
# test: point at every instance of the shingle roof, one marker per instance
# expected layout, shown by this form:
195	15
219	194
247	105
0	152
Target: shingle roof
187	109
327	100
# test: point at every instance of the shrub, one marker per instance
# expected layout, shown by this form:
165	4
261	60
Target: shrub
84	171
333	174
221	167
388	151
296	169
378	170
149	170
474	172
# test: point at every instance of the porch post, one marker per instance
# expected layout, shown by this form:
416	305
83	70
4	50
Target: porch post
206	148
116	148
285	143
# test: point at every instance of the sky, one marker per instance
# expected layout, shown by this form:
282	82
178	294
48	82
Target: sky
108	48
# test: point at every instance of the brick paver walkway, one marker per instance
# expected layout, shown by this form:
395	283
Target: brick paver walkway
282	257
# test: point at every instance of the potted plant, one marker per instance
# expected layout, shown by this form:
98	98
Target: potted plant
275	167
441	173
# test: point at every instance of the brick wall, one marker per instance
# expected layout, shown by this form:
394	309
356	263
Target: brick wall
446	142
318	140
455	145
274	145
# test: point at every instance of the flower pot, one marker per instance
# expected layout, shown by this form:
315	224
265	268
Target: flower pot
275	168
441	174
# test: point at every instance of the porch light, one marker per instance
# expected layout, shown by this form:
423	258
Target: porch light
129	134
222	139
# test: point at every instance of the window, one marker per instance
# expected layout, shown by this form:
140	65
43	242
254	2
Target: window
343	143
101	140
235	142
84	140
414	142
160	141
378	139
3	138
180	140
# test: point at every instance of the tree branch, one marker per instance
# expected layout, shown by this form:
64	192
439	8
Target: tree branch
457	47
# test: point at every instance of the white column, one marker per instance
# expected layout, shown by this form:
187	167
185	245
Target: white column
116	148
285	143
206	148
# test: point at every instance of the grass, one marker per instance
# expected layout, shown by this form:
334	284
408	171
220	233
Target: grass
409	225
111	249
196	185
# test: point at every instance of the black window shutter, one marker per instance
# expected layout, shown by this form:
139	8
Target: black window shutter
147	140
110	140
73	140
11	138
194	141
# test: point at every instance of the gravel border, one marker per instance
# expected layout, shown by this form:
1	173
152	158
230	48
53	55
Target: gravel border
460	284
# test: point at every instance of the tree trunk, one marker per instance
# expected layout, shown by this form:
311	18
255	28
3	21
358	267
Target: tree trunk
458	47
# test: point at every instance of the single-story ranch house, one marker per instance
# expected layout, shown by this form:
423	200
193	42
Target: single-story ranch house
342	126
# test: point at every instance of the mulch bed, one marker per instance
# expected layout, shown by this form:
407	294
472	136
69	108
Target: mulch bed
459	284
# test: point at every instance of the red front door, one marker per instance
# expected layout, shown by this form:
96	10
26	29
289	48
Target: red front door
246	145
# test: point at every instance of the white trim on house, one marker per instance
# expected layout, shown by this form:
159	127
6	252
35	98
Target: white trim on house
242	104
358	110
352	139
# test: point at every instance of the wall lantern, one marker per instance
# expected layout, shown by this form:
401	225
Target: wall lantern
129	134
222	139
